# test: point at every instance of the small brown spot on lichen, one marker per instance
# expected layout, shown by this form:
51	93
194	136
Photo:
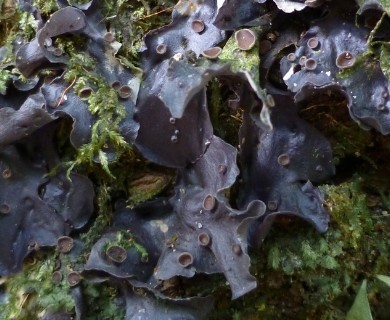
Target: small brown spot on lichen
236	248
7	173
5	208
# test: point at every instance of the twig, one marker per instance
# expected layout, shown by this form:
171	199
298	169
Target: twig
65	91
154	14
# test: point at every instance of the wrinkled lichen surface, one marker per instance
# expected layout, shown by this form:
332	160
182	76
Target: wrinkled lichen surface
194	159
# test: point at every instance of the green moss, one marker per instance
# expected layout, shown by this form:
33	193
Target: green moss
32	291
102	220
385	59
386	5
305	275
349	210
46	6
100	299
103	103
243	61
5	78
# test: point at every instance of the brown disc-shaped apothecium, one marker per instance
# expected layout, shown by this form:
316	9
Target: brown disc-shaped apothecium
74	278
197	26
124	92
313	43
236	248
212	53
5	208
345	60
272	205
185	259
7	173
284	159
209	202
116	85
109	37
116	254
245	38
161	48
291	57
65	244
57	276
310	64
85	92
204	239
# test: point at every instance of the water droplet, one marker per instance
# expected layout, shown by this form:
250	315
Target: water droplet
172	120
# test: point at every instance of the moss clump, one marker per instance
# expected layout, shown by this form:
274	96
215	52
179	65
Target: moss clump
101	301
304	275
32	291
385	59
5	78
103	103
46	7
